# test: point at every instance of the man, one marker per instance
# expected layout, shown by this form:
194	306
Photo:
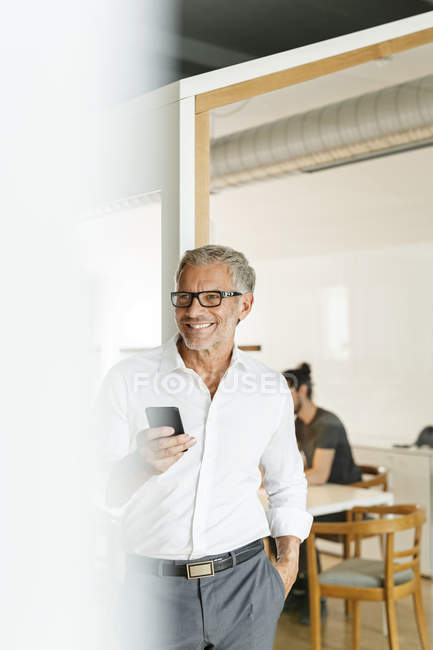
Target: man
197	575
328	457
321	434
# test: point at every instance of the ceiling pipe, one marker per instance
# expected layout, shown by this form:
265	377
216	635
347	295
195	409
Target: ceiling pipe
387	121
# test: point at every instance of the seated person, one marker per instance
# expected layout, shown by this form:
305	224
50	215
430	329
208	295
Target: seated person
321	435
323	442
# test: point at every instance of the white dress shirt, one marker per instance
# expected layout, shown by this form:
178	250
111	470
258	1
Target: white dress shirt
206	503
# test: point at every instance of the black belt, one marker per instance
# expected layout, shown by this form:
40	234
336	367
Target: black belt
198	568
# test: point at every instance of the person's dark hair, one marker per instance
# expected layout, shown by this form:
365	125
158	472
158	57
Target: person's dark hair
300	376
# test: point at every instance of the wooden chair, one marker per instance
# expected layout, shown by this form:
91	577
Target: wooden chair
357	579
379	476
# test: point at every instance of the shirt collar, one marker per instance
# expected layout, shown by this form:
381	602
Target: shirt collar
237	357
171	359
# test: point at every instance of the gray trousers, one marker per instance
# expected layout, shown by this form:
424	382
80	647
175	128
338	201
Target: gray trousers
236	609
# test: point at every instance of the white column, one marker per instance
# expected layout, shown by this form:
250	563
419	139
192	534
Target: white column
177	211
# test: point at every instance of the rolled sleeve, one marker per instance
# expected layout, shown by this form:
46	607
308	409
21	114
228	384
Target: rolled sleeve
284	478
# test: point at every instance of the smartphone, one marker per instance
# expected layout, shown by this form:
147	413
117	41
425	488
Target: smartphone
165	416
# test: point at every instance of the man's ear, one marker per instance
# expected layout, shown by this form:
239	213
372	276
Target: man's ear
303	390
247	301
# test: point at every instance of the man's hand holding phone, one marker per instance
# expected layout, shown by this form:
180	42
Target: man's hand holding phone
158	448
161	449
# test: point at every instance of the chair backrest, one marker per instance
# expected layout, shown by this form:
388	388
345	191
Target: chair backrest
404	517
378	474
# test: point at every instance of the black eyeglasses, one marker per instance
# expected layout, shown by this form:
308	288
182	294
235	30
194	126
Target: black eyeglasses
206	298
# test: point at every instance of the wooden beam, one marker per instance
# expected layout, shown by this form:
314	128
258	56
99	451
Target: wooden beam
277	80
202	178
250	348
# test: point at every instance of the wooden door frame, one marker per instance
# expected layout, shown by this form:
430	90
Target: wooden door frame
206	101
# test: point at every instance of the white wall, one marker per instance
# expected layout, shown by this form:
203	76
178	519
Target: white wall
122	257
364	321
344	260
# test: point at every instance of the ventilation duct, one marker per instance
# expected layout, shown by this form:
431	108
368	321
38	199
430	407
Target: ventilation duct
379	123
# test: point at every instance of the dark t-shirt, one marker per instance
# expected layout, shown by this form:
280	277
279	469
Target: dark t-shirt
326	431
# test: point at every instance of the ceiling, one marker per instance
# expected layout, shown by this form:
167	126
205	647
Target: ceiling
336	87
371	204
252	28
155	42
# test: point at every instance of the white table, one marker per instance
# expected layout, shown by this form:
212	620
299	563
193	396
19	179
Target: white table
330	497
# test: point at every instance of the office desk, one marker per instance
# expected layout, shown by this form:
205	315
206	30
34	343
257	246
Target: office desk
330	497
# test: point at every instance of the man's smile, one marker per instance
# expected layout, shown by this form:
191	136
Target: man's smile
196	326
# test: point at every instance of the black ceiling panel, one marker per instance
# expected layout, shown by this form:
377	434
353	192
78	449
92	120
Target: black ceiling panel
263	27
189	37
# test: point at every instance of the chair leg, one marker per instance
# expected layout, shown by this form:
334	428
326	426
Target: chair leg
314	599
384	621
346	550
356	624
420	618
391	620
346	547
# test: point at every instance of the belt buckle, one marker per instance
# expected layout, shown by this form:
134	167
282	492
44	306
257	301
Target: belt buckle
200	569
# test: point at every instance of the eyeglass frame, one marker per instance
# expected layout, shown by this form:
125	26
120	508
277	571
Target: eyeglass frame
196	294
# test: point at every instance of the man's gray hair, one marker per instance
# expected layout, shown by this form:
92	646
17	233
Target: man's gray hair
243	275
